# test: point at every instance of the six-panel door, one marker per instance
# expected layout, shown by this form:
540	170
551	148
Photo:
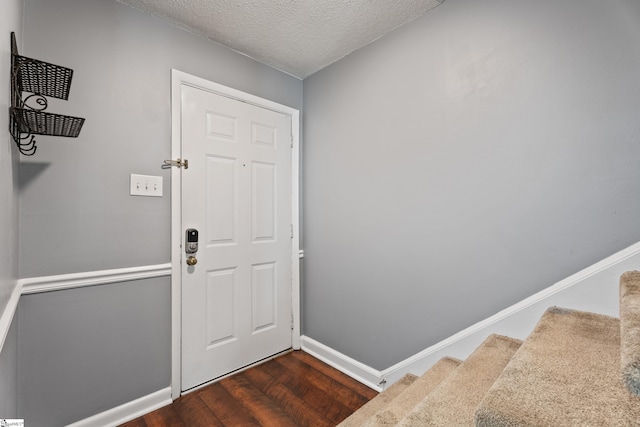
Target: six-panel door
236	300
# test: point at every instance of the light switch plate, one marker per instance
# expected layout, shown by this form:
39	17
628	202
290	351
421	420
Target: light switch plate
145	185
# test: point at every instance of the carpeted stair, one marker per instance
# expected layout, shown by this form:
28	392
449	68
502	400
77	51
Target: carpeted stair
566	374
464	388
575	369
390	415
359	417
630	329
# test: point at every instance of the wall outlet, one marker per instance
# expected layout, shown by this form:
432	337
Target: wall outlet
145	185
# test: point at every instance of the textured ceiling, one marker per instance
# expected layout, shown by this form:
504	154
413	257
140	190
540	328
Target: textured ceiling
298	37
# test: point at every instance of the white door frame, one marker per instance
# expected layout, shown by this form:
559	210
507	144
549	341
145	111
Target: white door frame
178	79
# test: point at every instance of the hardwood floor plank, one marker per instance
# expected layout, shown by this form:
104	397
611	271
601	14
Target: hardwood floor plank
292	390
295	407
323	402
164	417
367	392
227	409
195	413
327	381
263	409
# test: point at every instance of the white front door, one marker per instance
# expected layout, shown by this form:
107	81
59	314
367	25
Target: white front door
236	300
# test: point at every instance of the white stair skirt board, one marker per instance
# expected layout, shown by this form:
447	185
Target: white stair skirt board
129	411
588	290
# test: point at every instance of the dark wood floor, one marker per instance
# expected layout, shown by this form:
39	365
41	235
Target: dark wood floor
291	390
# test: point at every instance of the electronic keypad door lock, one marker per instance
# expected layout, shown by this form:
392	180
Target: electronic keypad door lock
191	241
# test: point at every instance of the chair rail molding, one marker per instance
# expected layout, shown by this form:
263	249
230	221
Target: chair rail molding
7	315
91	278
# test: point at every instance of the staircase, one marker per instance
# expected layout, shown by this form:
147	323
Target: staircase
575	369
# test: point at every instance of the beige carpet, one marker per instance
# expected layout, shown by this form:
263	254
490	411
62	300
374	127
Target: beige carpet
630	330
374	405
399	407
453	402
567	373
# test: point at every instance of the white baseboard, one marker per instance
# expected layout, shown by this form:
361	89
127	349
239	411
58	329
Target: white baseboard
129	411
593	289
356	370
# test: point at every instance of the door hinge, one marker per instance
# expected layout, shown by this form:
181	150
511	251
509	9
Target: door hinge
292	321
177	163
291	141
292	231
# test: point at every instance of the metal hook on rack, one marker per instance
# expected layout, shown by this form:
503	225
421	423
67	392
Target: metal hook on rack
27	116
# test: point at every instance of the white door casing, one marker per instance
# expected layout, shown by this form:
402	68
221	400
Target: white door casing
240	302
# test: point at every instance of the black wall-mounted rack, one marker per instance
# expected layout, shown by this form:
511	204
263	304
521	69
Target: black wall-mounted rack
26	115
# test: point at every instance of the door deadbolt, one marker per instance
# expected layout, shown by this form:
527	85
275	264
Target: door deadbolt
191	241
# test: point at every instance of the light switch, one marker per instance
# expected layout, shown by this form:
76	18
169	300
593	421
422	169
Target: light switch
145	185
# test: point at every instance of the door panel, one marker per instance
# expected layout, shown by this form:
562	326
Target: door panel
221	215
264	203
236	301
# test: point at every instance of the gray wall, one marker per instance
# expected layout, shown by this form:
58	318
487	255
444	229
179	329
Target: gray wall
87	350
10	20
464	162
9	374
76	214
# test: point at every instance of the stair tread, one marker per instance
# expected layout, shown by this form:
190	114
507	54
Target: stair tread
630	330
399	407
565	374
374	405
453	402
